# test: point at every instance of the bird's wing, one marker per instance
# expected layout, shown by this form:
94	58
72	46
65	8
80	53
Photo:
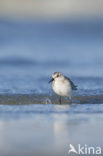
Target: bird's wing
74	87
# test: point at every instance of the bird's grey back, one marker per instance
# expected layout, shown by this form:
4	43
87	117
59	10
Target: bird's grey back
74	87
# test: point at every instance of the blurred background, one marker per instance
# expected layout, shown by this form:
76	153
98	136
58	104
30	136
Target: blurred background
39	37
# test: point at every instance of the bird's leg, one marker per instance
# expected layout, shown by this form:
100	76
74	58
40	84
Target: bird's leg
70	100
60	99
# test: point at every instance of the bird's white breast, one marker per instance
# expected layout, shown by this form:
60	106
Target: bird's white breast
62	87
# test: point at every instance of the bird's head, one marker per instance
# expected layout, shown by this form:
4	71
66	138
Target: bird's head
55	75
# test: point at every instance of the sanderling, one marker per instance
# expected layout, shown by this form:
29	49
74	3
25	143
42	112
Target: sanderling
62	85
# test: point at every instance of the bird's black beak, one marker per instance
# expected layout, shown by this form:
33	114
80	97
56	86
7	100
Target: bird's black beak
51	80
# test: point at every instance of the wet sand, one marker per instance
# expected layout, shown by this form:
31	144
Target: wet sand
23	99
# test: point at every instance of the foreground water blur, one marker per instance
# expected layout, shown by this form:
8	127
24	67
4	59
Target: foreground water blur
47	129
31	120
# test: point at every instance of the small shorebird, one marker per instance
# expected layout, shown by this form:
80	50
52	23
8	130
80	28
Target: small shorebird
62	85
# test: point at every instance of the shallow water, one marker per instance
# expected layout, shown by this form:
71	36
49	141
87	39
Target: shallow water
31	120
30	51
47	129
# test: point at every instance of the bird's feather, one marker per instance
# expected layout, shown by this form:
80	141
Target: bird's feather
74	87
